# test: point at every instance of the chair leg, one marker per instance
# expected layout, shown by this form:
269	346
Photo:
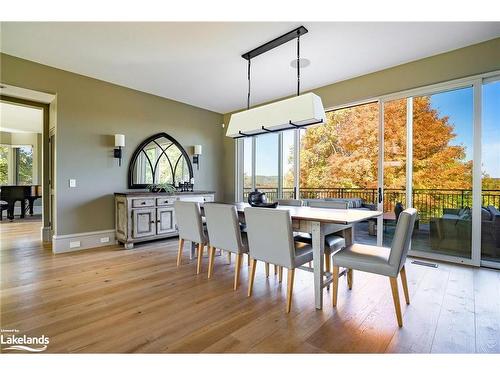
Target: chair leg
251	276
280	273
229	257
405	285
267	269
350	276
335	282
211	256
327	262
395	297
249	260
289	285
239	258
179	253
328	266
200	256
275	269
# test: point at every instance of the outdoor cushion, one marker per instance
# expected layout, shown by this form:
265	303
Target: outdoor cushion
466	214
494	212
486	215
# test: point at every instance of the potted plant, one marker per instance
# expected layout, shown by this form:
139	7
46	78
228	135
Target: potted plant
161	188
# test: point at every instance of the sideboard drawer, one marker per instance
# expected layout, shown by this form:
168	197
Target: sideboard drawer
143	202
165	201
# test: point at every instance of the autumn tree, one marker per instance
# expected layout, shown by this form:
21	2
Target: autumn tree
344	151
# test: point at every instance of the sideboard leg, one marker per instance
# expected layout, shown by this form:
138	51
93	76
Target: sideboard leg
128	245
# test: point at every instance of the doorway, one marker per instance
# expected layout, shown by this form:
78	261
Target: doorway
24	164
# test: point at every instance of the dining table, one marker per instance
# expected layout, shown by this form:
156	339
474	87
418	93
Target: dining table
320	222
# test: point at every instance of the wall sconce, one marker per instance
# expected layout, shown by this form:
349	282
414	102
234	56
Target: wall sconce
196	155
119	143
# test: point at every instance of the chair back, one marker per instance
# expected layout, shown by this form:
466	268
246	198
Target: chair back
402	236
189	223
270	236
223	227
290	202
328	204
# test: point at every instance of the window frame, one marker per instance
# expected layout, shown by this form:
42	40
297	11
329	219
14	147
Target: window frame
476	82
140	148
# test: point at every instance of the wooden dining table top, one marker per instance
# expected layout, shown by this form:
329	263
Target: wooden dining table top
323	215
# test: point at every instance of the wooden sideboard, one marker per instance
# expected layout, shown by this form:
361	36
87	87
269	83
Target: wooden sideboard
144	216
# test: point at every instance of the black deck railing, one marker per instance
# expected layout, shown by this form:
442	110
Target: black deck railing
429	202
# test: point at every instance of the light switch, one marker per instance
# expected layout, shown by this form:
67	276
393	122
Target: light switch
72	183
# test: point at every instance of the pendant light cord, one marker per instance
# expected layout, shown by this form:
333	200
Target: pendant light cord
248	96
298	64
298	71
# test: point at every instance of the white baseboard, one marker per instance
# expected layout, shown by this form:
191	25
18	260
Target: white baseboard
46	234
81	241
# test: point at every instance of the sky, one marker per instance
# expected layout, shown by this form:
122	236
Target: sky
491	129
456	104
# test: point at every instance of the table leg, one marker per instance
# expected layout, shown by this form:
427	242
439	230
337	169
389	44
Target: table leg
318	242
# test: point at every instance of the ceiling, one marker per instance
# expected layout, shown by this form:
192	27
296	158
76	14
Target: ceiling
200	63
20	119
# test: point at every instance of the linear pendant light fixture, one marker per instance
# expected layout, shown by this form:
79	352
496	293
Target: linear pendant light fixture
297	112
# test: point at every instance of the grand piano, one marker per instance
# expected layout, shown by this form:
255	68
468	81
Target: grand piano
10	194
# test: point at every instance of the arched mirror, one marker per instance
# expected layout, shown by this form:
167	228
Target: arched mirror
160	159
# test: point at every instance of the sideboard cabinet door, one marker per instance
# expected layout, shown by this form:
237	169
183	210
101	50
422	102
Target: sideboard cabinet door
165	220
143	222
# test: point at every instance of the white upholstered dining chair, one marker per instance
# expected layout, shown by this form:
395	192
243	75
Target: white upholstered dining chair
190	227
333	241
225	234
270	240
290	202
380	260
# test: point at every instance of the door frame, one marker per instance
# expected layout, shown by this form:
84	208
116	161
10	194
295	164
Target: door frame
476	85
46	230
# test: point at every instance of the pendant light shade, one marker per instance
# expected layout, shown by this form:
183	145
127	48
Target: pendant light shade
299	111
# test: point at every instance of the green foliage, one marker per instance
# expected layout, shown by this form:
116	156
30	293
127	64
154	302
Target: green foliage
25	165
4	168
344	151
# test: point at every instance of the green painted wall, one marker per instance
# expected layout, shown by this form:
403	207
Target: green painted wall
479	58
89	112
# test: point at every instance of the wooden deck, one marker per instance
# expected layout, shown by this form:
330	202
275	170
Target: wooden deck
115	300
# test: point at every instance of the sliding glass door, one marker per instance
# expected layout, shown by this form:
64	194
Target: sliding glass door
442	172
428	146
490	173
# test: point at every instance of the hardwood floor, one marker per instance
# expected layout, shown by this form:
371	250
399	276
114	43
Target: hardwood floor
116	300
